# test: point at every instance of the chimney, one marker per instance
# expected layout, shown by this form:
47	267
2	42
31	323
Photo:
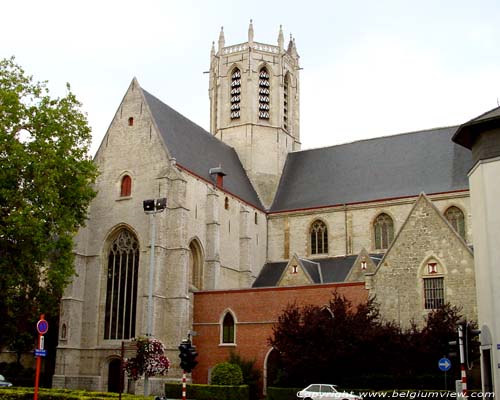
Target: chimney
219	180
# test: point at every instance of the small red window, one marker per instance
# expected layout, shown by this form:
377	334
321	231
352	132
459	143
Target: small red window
131	121
126	187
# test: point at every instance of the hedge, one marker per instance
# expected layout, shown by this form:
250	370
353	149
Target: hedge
26	393
207	392
279	393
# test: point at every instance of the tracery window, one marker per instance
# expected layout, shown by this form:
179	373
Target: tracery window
433	293
319	238
228	328
195	265
383	229
285	101
264	93
126	186
235	93
456	218
121	288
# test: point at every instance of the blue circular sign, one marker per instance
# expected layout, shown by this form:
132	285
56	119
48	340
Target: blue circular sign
444	364
42	327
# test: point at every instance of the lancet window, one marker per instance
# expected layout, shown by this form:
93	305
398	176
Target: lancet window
264	93
235	94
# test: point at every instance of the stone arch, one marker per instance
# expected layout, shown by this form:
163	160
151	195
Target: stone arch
196	264
114	371
120	273
271	368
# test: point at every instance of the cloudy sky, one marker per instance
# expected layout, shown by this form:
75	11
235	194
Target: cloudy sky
370	68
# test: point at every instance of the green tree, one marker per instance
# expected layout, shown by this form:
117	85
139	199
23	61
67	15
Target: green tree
46	179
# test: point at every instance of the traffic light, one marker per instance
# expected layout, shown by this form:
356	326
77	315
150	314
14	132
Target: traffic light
188	356
472	344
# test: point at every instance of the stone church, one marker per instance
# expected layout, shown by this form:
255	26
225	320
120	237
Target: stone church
253	221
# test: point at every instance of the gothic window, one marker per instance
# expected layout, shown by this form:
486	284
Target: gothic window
319	238
383	228
264	93
433	293
235	93
228	329
286	94
195	265
121	288
126	186
455	217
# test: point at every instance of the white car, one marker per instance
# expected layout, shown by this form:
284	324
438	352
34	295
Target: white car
320	391
3	382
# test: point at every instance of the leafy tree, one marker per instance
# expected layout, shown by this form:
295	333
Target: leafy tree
46	182
251	375
353	346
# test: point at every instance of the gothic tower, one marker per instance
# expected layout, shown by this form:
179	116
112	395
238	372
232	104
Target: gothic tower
254	106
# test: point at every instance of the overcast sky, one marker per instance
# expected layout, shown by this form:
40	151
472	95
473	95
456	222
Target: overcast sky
370	68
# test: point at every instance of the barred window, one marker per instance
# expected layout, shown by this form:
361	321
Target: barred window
264	93
456	218
121	290
433	293
235	93
383	229
319	238
228	329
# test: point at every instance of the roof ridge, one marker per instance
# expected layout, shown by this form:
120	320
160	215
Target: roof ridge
379	137
482	115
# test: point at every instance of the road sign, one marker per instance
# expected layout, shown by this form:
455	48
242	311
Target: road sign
42	327
444	364
40	353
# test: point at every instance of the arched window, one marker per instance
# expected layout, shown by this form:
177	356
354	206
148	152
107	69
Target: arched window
121	287
195	265
383	229
286	94
235	93
126	186
264	92
319	238
228	328
455	217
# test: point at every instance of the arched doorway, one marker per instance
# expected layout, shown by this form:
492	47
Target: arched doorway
272	369
114	371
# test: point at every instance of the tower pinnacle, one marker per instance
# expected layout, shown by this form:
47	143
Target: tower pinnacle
280	39
250	32
221	38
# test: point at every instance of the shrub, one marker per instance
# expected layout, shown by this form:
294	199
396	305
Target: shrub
227	374
207	392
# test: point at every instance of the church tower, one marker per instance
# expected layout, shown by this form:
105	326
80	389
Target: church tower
254	106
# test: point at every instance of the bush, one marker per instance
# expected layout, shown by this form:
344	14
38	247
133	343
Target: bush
227	374
207	392
251	375
278	393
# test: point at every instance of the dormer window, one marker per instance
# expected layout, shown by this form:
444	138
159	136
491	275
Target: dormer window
264	92
235	94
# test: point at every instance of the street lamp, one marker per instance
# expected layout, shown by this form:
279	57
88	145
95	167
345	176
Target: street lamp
152	207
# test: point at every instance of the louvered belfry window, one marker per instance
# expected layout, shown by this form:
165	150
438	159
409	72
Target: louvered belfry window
235	93
264	92
285	101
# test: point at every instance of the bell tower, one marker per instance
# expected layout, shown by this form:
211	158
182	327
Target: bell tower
254	106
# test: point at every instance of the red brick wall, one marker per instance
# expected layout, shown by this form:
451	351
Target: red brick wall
255	312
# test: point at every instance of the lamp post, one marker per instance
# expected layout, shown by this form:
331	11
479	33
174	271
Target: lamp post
152	207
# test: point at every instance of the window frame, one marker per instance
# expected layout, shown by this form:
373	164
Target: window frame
228	330
458	224
434	297
383	234
318	238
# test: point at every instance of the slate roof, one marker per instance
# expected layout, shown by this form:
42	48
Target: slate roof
466	134
388	167
331	270
197	151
